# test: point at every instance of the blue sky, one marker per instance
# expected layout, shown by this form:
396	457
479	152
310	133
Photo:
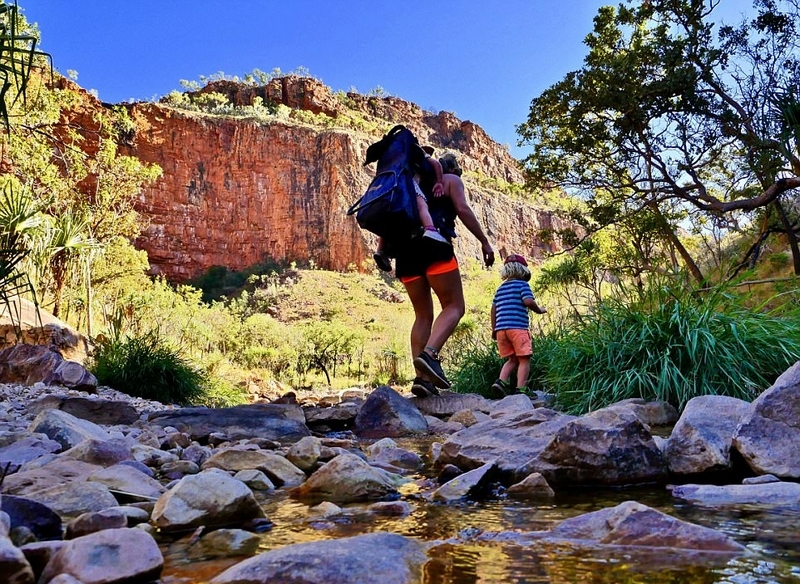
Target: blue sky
483	60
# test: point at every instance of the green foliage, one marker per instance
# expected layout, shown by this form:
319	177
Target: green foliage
673	112
18	57
670	344
475	367
147	366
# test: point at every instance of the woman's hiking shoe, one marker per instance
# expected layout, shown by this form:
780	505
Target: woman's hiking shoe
501	389
383	262
423	388
433	368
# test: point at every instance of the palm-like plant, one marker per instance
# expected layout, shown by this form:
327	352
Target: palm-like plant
19	217
17	58
68	242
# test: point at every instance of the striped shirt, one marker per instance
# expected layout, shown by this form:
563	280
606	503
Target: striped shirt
510	312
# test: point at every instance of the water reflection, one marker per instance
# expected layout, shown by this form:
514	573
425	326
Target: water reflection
485	542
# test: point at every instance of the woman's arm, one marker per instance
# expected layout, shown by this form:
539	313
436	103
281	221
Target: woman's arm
454	188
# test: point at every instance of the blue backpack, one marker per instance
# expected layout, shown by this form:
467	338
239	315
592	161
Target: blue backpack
389	207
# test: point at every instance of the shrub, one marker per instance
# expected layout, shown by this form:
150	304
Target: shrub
670	345
145	366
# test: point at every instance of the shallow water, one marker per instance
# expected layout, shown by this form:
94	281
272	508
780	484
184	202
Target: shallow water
466	553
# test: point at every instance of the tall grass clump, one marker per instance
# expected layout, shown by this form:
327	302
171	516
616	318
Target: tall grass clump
671	344
146	366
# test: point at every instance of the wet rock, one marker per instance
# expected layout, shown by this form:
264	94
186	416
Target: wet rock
768	437
279	470
394	459
386	413
701	440
633	524
448	473
780	493
225	543
347	478
211	498
468	484
365	559
107	557
281	422
533	486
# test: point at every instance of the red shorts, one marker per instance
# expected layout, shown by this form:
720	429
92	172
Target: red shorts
434	270
514	342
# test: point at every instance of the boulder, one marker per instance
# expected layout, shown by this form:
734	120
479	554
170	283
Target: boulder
111	518
533	486
387	558
29	364
129	480
39	327
14	567
464	485
633	524
211	498
279	470
281	422
66	429
43	522
448	403
107	557
226	542
606	447
75	498
650	413
386	413
19	448
768	437
701	440
60	471
780	494
347	478
101	452
99	411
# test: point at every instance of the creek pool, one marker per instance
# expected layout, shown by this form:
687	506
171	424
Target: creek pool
461	556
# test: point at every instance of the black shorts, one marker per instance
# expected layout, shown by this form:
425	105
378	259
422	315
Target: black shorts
418	255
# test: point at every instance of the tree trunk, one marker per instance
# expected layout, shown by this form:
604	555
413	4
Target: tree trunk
666	228
790	233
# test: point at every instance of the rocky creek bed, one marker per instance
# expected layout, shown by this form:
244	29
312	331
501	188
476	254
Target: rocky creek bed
382	487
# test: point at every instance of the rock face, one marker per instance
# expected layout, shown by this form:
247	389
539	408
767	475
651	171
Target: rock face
236	192
769	432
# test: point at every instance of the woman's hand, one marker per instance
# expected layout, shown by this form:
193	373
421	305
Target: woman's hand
488	254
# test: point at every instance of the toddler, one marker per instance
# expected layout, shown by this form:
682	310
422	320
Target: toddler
510	308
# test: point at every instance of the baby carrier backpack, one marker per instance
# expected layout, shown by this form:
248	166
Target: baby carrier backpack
389	207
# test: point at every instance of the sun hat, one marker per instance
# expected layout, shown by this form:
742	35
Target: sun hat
515	257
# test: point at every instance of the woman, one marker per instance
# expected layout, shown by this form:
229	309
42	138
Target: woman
424	266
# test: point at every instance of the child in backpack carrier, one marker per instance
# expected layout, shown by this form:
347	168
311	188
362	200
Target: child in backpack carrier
509	317
429	230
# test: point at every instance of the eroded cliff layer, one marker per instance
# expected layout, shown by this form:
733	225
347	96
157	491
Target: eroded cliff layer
236	191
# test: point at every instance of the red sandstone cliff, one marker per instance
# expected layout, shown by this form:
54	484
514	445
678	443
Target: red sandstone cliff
236	192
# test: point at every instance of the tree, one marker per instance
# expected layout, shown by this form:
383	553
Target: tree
671	115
